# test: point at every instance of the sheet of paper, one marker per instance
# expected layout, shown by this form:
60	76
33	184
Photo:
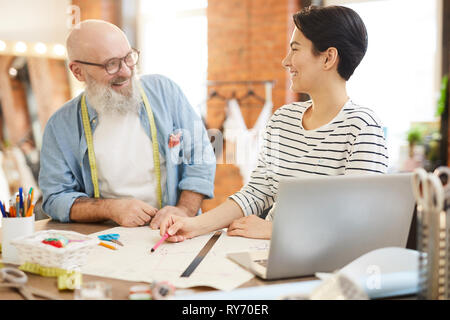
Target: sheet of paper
134	262
267	292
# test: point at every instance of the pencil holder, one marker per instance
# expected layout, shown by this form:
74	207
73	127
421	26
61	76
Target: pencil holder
13	228
442	236
433	236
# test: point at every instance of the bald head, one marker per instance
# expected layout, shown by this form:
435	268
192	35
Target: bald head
96	40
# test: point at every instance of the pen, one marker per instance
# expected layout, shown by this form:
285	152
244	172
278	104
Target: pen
29	197
3	210
21	201
25	205
159	242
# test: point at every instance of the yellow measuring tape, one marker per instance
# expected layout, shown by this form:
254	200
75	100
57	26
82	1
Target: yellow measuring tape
90	144
67	279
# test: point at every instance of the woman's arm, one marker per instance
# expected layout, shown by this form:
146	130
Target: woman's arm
181	228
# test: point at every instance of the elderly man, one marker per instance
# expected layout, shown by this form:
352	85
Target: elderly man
128	149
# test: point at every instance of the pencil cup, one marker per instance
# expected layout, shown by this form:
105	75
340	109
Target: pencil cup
13	228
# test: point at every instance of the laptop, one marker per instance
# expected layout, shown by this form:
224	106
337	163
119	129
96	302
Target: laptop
323	223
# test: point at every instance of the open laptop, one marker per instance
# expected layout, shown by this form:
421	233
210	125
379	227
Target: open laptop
323	223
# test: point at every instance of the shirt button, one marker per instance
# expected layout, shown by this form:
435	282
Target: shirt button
94	121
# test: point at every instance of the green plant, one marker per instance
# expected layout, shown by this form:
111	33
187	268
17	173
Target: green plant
415	134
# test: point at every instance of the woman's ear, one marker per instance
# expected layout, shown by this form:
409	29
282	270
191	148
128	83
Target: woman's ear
331	58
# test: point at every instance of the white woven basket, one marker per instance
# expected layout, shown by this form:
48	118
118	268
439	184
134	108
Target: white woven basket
73	256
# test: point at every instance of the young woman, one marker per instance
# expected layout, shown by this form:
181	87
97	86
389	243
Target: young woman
327	135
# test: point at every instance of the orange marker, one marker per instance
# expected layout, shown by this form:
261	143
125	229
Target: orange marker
12	211
30	211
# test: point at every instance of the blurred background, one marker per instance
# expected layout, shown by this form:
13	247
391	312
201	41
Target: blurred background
220	51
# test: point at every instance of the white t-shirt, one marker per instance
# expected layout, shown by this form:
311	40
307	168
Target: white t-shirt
124	156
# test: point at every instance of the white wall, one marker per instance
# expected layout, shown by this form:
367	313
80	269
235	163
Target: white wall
32	20
399	78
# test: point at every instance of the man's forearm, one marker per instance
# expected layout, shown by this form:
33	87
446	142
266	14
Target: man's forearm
86	209
190	201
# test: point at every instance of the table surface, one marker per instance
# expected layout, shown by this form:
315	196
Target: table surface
120	287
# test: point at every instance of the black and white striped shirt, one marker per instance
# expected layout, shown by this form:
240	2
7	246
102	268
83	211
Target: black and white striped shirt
352	143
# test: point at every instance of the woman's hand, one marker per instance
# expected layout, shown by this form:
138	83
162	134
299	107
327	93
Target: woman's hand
251	227
179	228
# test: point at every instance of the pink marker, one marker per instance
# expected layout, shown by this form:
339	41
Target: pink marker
160	241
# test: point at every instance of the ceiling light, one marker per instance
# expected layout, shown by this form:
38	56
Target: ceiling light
20	47
40	48
59	49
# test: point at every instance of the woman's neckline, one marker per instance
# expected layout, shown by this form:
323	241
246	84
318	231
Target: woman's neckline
338	115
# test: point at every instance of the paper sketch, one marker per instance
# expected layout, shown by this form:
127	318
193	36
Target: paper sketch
134	262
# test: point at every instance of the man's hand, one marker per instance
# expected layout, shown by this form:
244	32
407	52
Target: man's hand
166	212
131	212
188	206
251	227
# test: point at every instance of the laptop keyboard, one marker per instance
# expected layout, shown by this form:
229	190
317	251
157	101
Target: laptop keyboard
262	262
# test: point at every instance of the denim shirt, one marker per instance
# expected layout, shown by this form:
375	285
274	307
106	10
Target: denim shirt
65	173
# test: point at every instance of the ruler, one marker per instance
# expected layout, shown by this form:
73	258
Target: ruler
201	255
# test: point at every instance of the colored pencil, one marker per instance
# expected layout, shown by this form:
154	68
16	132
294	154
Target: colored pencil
107	246
17	206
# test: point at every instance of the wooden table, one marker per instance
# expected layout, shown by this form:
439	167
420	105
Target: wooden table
120	288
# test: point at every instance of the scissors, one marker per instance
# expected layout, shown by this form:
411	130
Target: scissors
17	279
444	175
429	194
428	191
113	237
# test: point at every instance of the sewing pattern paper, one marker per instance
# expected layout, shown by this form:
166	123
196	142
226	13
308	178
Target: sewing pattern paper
134	262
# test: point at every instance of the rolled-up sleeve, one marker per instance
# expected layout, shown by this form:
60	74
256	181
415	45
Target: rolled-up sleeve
57	182
198	158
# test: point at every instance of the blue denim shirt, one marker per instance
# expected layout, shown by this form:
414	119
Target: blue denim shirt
65	173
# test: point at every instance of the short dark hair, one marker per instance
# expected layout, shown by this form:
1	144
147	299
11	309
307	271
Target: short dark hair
335	26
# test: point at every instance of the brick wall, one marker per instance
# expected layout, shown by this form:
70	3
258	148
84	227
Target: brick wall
50	84
14	104
108	10
247	40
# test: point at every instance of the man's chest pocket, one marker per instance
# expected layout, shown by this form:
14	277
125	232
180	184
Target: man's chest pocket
175	143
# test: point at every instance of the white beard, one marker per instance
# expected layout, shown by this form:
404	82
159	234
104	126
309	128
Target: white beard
106	100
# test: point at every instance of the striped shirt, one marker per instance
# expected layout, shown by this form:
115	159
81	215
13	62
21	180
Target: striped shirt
351	143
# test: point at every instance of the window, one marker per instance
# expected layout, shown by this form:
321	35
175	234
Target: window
399	76
172	36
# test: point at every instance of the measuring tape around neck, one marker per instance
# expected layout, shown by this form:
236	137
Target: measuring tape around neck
90	145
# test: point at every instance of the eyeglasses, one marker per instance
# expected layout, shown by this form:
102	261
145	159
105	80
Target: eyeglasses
112	66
